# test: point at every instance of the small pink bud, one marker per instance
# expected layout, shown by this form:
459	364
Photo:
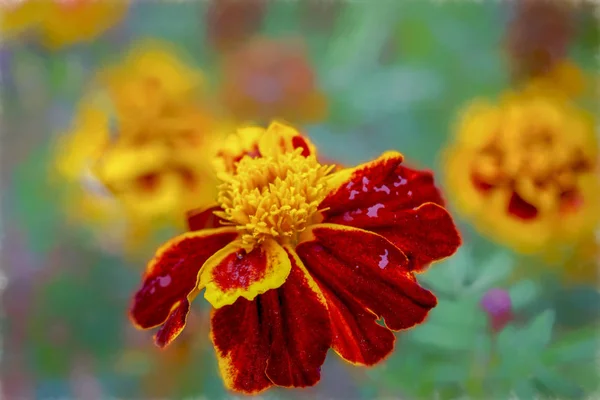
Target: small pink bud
497	304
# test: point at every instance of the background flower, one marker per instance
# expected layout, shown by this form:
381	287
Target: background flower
87	202
524	170
229	23
134	156
538	36
268	79
60	23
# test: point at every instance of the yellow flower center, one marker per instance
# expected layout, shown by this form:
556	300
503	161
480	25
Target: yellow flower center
539	166
274	197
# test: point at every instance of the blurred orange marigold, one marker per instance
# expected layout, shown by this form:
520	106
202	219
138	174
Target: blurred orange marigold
268	79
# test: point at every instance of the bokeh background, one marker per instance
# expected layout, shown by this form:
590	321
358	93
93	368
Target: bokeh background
359	78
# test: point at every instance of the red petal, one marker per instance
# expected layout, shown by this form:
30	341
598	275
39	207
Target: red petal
381	182
382	195
174	324
240	269
299	142
571	201
282	336
425	234
357	337
204	218
300	329
173	272
520	208
359	247
481	185
498	322
337	259
241	340
281	138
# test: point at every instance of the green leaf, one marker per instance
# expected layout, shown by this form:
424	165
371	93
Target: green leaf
360	33
539	331
578	305
523	293
556	384
574	347
448	373
519	349
450	339
524	390
449	276
377	94
507	340
493	273
415	40
584	375
452	325
417	372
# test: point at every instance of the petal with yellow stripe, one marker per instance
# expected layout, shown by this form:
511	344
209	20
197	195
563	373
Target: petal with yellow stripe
233	272
280	338
300	328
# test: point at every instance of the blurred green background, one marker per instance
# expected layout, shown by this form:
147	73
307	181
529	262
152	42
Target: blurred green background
395	74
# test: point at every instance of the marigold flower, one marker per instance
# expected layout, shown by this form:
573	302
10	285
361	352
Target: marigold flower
523	170
60	22
266	79
142	145
300	259
86	200
564	79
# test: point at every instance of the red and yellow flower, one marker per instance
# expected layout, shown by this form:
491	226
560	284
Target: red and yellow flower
60	23
300	259
146	139
523	170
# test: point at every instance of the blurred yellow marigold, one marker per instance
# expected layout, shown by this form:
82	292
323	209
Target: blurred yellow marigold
141	148
524	170
564	79
60	23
